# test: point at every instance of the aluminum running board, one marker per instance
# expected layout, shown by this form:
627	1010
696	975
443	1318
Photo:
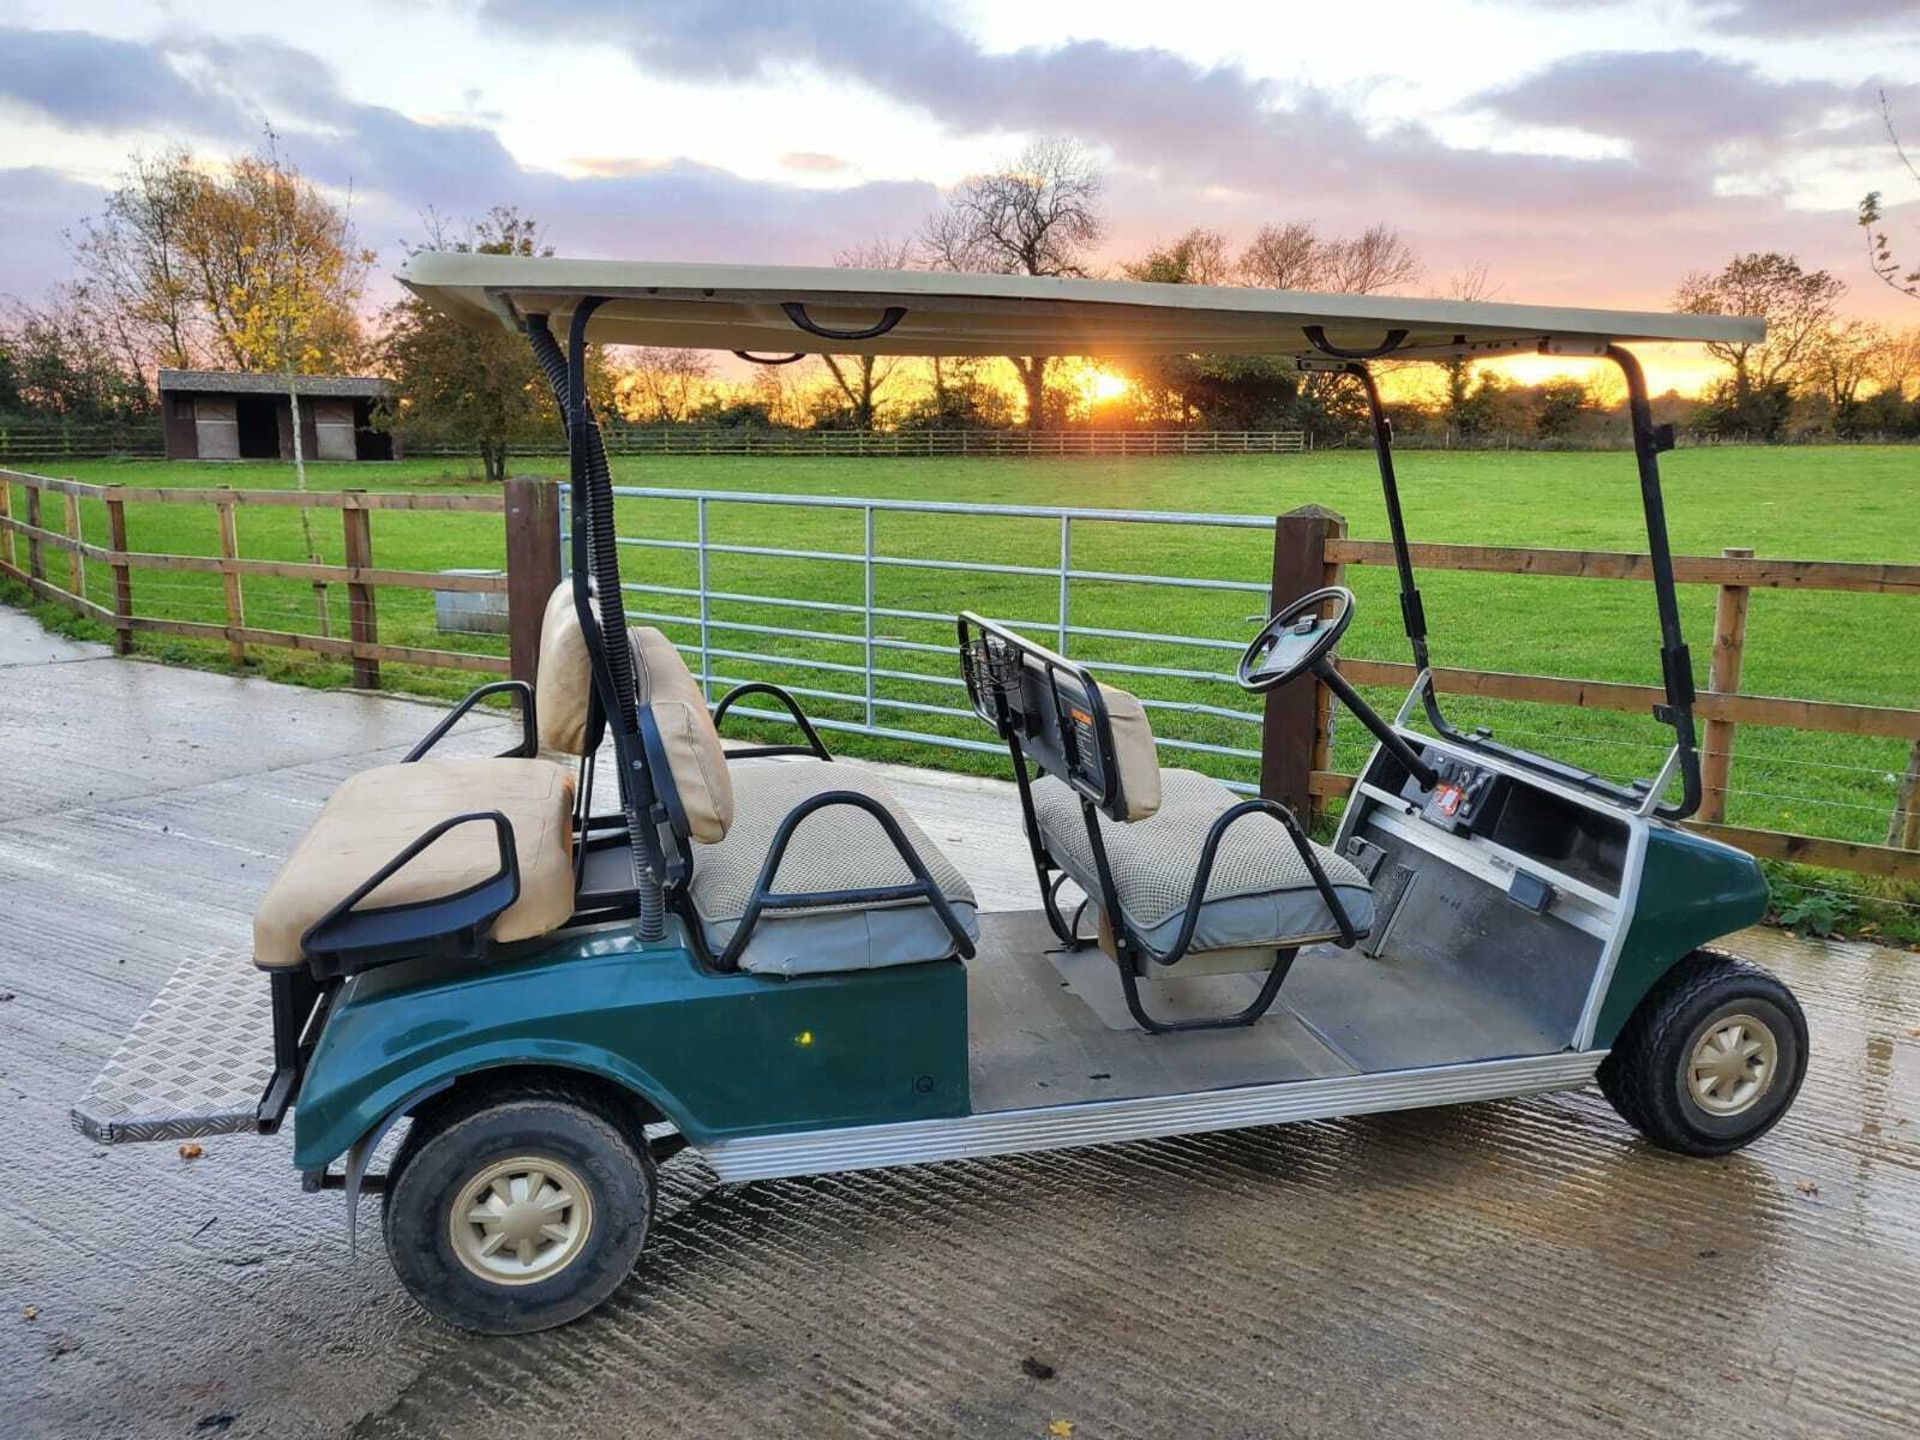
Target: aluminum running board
194	1064
1054	1127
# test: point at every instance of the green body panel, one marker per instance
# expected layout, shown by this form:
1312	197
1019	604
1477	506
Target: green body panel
718	1054
1692	890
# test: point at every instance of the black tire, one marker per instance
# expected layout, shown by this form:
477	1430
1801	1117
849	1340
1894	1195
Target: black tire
576	1144
1647	1076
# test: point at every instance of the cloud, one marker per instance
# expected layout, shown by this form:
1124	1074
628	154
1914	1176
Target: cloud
36	205
1192	144
91	82
396	166
1685	108
1183	122
1811	17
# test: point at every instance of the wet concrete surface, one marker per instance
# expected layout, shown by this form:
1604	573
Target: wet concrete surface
1514	1269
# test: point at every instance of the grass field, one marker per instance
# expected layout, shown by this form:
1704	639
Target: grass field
1854	503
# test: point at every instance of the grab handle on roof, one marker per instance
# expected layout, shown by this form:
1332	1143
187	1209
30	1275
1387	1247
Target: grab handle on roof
1317	337
890	317
753	359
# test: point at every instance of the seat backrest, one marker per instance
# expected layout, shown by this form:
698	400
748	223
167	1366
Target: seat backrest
694	755
1135	755
563	690
1094	736
563	683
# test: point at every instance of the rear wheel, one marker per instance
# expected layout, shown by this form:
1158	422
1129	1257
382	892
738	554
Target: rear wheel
1712	1058
518	1214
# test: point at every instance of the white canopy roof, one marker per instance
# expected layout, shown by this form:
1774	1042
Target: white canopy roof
761	308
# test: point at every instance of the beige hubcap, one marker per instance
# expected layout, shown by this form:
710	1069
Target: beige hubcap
1732	1066
521	1220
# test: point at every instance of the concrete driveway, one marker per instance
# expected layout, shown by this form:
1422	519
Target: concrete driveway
1527	1268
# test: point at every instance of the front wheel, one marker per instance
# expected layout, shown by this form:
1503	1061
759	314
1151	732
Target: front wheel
518	1214
1712	1058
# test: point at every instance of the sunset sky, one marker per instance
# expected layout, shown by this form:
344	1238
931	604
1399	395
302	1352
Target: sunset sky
1584	151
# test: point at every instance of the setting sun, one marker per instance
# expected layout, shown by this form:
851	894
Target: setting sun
1103	385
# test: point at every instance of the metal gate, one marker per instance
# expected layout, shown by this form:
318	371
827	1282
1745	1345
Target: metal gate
722	628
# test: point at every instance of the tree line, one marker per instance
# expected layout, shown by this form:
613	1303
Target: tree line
249	266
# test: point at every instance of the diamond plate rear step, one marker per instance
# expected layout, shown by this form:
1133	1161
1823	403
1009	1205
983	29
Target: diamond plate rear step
194	1064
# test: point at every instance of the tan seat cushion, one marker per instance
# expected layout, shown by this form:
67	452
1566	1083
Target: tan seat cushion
835	848
563	683
694	755
563	686
378	813
1258	894
1134	753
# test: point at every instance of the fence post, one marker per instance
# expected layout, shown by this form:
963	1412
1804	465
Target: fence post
1903	830
532	512
76	562
1723	678
362	627
1296	734
8	556
36	562
122	576
230	578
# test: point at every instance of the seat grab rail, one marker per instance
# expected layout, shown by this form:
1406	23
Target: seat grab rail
815	746
391	931
529	745
765	897
1203	876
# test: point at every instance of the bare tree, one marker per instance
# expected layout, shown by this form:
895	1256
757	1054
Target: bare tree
1284	257
1377	259
1798	306
1037	216
860	378
1295	256
1880	251
135	274
1470	282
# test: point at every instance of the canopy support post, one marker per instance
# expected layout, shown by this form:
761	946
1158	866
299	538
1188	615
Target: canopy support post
1676	663
598	603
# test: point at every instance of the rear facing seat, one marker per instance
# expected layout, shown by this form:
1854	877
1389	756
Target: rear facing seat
734	812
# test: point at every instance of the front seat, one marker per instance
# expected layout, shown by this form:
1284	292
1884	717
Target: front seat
1182	871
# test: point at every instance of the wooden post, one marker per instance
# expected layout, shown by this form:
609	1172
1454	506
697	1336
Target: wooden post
76	562
362	626
230	578
1297	733
532	515
36	562
8	555
122	576
1903	830
1723	678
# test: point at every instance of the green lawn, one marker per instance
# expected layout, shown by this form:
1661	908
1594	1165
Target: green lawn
1852	503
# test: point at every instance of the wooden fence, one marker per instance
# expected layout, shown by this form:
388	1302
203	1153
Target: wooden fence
648	440
27	540
33	441
1311	549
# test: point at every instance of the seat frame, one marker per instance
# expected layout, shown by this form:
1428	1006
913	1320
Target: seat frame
656	823
1023	690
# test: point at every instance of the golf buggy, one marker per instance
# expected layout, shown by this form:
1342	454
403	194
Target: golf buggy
763	957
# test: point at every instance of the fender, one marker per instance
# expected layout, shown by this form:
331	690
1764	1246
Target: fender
717	1054
1692	890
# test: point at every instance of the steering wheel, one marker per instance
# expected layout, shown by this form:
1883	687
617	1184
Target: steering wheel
1297	639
